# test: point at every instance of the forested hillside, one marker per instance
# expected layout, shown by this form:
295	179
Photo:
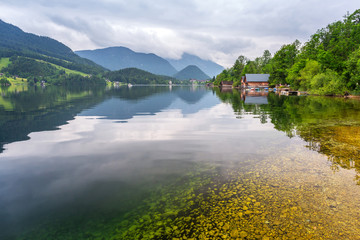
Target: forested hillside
137	76
328	64
14	41
42	59
13	38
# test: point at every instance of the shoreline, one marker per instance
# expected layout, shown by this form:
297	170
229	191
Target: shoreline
353	97
304	93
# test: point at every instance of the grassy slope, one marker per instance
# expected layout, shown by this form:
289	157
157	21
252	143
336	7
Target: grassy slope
4	62
19	84
68	71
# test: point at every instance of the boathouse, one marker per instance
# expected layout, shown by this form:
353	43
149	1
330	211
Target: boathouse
226	84
255	81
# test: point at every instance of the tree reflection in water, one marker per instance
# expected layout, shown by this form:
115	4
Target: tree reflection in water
329	125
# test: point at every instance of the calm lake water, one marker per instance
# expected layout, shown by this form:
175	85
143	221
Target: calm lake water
177	163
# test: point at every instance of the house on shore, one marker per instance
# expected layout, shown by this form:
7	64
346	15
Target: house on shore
226	84
255	81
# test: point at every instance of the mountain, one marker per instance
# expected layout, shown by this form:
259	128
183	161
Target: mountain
13	38
15	42
191	72
116	58
207	66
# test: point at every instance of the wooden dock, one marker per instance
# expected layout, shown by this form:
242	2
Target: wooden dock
292	93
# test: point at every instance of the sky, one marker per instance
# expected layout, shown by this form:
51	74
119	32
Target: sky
217	30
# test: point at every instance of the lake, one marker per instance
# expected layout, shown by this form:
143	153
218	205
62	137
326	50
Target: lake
177	163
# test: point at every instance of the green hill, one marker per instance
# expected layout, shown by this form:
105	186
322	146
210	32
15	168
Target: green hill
191	72
38	59
36	71
4	62
138	76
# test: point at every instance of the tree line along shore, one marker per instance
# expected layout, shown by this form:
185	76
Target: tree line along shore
327	64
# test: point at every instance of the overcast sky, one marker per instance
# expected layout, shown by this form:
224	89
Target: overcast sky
218	30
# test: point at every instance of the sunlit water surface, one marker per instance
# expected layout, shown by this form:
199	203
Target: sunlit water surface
180	163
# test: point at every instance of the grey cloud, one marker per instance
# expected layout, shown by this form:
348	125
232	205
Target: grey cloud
212	29
229	46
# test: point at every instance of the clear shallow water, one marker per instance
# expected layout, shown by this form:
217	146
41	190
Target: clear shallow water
160	163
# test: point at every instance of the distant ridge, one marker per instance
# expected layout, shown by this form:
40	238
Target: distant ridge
116	58
191	72
208	67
